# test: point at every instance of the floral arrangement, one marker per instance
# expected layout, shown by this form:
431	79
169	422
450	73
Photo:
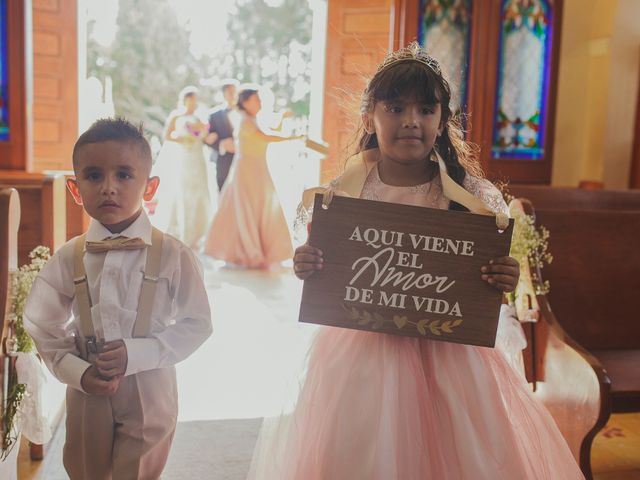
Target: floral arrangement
529	245
21	283
15	394
194	129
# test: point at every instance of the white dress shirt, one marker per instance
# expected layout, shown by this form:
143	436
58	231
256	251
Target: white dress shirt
180	321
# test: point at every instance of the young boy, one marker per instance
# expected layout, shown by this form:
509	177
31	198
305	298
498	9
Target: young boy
113	312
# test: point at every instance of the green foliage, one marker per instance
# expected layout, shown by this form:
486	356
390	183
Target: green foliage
149	60
21	283
529	245
9	431
272	36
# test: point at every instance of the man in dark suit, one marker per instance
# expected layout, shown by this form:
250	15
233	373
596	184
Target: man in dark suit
224	147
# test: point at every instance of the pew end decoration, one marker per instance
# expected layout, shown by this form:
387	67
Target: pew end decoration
530	247
18	343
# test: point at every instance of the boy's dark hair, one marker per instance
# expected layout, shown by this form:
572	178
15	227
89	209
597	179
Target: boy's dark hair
115	129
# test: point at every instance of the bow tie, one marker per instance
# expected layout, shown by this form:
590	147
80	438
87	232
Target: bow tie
117	243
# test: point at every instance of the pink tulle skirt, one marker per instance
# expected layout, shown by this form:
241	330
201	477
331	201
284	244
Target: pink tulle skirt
383	407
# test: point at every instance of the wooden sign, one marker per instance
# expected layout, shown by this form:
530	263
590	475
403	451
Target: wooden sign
404	270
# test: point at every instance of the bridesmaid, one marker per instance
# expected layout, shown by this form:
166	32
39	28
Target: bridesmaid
249	229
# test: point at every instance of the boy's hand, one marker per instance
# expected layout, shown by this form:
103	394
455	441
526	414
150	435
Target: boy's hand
112	360
94	384
306	260
503	273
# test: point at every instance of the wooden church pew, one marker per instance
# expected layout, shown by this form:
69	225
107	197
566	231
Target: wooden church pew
50	216
11	219
585	348
43	205
545	197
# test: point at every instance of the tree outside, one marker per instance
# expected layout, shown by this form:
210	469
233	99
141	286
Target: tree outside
151	57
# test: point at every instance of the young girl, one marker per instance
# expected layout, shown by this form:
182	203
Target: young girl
383	407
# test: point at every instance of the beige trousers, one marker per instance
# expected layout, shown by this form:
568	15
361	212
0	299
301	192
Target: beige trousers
127	436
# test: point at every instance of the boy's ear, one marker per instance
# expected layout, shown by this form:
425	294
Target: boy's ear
72	185
150	191
367	121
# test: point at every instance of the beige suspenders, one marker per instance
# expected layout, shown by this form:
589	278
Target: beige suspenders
83	297
147	291
149	283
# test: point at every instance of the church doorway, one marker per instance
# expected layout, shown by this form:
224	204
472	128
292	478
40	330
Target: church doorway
136	56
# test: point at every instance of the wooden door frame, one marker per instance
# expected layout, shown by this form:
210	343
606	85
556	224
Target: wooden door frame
483	74
15	153
634	174
401	31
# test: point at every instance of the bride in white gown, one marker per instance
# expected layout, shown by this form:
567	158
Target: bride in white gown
183	196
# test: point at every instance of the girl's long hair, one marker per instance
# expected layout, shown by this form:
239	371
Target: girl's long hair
421	83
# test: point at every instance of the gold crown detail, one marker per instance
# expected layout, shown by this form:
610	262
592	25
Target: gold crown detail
412	52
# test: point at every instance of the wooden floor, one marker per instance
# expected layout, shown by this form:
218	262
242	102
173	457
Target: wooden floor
616	450
261	303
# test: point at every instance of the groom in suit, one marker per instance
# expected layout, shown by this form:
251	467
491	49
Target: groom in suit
224	148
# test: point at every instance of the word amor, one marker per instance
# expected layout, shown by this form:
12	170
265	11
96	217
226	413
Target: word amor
381	270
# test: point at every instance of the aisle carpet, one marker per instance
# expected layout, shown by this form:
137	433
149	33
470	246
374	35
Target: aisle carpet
202	450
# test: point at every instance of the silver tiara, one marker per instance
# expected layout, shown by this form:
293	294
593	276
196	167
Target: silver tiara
412	52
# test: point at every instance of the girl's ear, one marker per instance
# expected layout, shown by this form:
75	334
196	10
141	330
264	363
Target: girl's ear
150	191
72	185
367	121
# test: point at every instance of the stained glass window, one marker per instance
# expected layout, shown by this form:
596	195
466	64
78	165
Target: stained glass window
4	94
523	79
444	31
